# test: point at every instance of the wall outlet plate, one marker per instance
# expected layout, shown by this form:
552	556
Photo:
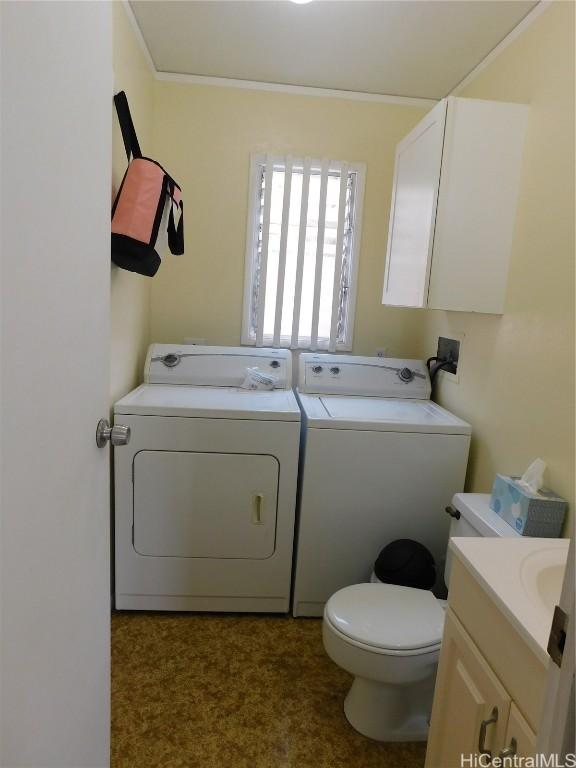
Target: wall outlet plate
381	352
449	349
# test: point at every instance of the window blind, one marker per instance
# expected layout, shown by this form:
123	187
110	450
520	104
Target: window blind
303	237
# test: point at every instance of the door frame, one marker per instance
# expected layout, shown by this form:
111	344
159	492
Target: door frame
556	731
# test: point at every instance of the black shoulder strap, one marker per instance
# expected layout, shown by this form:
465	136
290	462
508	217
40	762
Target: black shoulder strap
175	234
127	126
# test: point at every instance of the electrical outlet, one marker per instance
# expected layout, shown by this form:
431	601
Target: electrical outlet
449	349
381	352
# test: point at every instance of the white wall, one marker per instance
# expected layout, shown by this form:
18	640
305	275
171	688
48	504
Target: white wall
55	90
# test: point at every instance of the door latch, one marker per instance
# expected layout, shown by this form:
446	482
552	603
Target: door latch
557	638
257	509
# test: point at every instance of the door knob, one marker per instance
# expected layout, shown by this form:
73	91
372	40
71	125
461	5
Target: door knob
116	435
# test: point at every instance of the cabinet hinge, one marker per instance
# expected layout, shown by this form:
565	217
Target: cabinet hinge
557	638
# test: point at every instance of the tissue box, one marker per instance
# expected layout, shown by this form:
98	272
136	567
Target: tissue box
531	514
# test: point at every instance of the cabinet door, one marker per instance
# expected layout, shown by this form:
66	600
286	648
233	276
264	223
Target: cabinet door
481	167
213	505
520	738
413	212
466	693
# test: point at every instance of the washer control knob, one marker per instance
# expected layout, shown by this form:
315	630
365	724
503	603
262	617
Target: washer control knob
335	370
317	369
406	375
170	360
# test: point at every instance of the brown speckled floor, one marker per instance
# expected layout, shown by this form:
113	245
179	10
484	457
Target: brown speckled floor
233	691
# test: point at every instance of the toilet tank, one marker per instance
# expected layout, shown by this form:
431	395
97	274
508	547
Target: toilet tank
473	517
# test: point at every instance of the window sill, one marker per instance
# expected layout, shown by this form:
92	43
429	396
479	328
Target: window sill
320	348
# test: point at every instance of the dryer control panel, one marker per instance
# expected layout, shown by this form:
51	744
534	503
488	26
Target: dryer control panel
214	366
364	376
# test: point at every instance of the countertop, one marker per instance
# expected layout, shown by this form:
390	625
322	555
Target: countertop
497	564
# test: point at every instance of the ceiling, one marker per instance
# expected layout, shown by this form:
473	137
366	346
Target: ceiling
416	48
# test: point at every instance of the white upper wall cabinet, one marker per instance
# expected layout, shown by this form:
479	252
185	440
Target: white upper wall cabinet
411	234
453	207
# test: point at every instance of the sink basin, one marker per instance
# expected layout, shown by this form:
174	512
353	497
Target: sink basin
541	574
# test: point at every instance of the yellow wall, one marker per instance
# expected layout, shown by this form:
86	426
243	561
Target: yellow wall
130	293
517	371
204	135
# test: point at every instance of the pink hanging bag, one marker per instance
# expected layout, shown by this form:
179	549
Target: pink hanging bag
145	206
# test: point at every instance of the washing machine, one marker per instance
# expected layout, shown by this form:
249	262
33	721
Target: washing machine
379	462
205	490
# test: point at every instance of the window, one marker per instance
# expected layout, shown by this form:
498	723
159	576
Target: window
302	253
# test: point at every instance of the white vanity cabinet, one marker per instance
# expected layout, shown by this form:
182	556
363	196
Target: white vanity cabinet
456	184
490	685
471	695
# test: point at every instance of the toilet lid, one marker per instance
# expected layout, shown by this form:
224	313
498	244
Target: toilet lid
387	616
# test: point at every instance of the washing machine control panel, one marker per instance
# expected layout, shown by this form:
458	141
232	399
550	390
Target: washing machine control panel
321	370
363	376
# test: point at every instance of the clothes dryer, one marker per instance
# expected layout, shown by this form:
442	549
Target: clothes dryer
205	491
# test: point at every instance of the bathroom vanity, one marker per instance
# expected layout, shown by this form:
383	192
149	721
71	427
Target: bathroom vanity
492	670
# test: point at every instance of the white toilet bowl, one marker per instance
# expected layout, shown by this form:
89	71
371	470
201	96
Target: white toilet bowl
389	638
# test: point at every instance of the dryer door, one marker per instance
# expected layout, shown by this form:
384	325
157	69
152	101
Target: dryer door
205	505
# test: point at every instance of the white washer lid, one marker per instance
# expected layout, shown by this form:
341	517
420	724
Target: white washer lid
387	616
380	414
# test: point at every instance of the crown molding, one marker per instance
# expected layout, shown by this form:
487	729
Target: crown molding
513	35
294	90
328	93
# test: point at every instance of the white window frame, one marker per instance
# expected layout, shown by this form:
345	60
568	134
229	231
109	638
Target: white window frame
257	162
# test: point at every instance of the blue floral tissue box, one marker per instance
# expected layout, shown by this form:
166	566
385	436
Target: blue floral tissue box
531	514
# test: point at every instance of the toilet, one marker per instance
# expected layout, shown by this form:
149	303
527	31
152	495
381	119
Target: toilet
389	638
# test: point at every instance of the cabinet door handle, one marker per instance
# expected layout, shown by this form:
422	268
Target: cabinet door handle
510	750
258	509
483	728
